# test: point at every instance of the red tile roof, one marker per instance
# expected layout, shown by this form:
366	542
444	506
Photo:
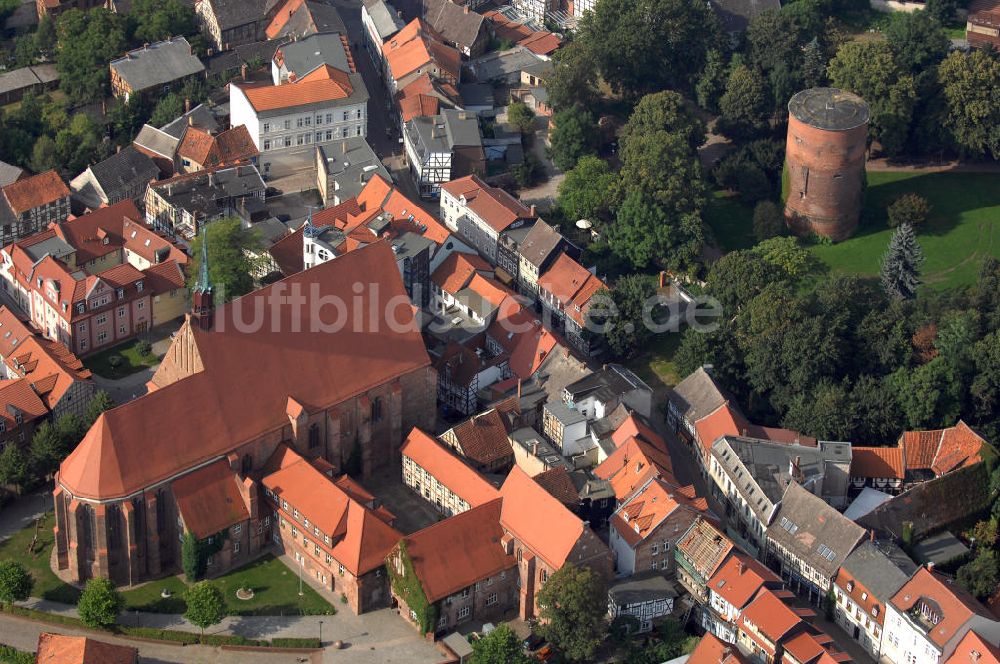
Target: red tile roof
195	419
455	271
974	649
728	421
196	145
63	649
955	606
522	336
31	192
455	553
287	253
359	538
48	365
804	647
493	205
418	106
322	84
635	460
541	42
235	144
638	517
772	617
739	579
572	285
228	147
711	650
942	450
705	546
877	462
920	447
417	45
538	519
447	468
107	230
209	499
18	396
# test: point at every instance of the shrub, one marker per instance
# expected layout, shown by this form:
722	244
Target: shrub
115	361
908	209
15	582
295	643
768	221
9	655
100	604
143	347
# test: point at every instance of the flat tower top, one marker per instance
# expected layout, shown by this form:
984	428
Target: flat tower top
829	108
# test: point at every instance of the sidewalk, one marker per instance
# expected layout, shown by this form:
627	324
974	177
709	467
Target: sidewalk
24	510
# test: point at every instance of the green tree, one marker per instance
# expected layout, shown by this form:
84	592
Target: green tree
574	135
522	117
768	220
587	191
738	277
744	107
916	39
981	576
47	450
87	41
911	209
664	111
901	264
971	86
627	332
825	412
229	266
100	402
15	582
166	110
25	51
205	605
664	168
646	233
192	563
45	36
573	81
574	602
786	254
870	69
154	20
44	155
712	81
648	45
501	646
528	172
814	63
13	467
99	604
944	11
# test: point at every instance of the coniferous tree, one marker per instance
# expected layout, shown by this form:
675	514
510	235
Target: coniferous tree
901	264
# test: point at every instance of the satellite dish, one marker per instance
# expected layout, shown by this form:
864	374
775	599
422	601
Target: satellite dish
584	224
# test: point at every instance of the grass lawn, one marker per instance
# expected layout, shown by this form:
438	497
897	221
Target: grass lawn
961	232
656	365
147	597
47	584
731	221
132	361
276	591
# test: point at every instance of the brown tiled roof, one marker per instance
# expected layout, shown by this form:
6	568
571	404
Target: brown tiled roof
522	336
322	84
418	106
960	447
711	650
638	517
572	285
491	204
209	499
483	437
955	606
287	253
739	579
63	649
164	277
196	145
919	448
34	191
538	519
541	42
359	538
195	419
560	485
447	468
877	462
455	271
455	553
974	649
235	145
18	397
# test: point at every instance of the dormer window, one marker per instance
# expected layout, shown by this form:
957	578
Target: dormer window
850	586
106	240
138	286
121	293
80	308
875	611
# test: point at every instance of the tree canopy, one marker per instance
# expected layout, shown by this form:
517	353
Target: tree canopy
501	646
574	602
99	604
15	582
205	605
587	191
229	266
574	136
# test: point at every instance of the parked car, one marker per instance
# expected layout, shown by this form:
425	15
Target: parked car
272	191
533	642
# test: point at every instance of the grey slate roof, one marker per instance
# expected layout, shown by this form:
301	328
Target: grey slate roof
564	413
156	141
54	246
939	548
455	24
201	116
462	128
735	15
508	65
206	193
645	587
611	382
476	94
814	532
158	64
234	13
307	54
352	163
697	395
539	244
25	77
313	18
881	567
9	173
384	18
124	169
442	133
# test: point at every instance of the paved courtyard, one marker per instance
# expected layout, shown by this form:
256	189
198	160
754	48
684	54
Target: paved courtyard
412	512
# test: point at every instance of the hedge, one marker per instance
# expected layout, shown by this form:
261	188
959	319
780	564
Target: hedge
172	635
9	655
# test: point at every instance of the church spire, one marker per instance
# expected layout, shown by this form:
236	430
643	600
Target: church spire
202	305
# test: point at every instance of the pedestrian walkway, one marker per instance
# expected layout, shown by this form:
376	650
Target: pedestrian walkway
24	511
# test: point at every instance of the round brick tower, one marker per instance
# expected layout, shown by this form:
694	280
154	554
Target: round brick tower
825	157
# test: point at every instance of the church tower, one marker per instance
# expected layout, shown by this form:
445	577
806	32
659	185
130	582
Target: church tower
202	306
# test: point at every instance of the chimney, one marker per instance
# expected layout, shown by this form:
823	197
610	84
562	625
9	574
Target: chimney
741	567
465	9
243	71
211	179
930	567
190	121
519	388
871	535
187	104
534	211
145	46
343	147
118	149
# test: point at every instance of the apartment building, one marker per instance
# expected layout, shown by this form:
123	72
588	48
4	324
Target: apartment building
432	471
30	204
